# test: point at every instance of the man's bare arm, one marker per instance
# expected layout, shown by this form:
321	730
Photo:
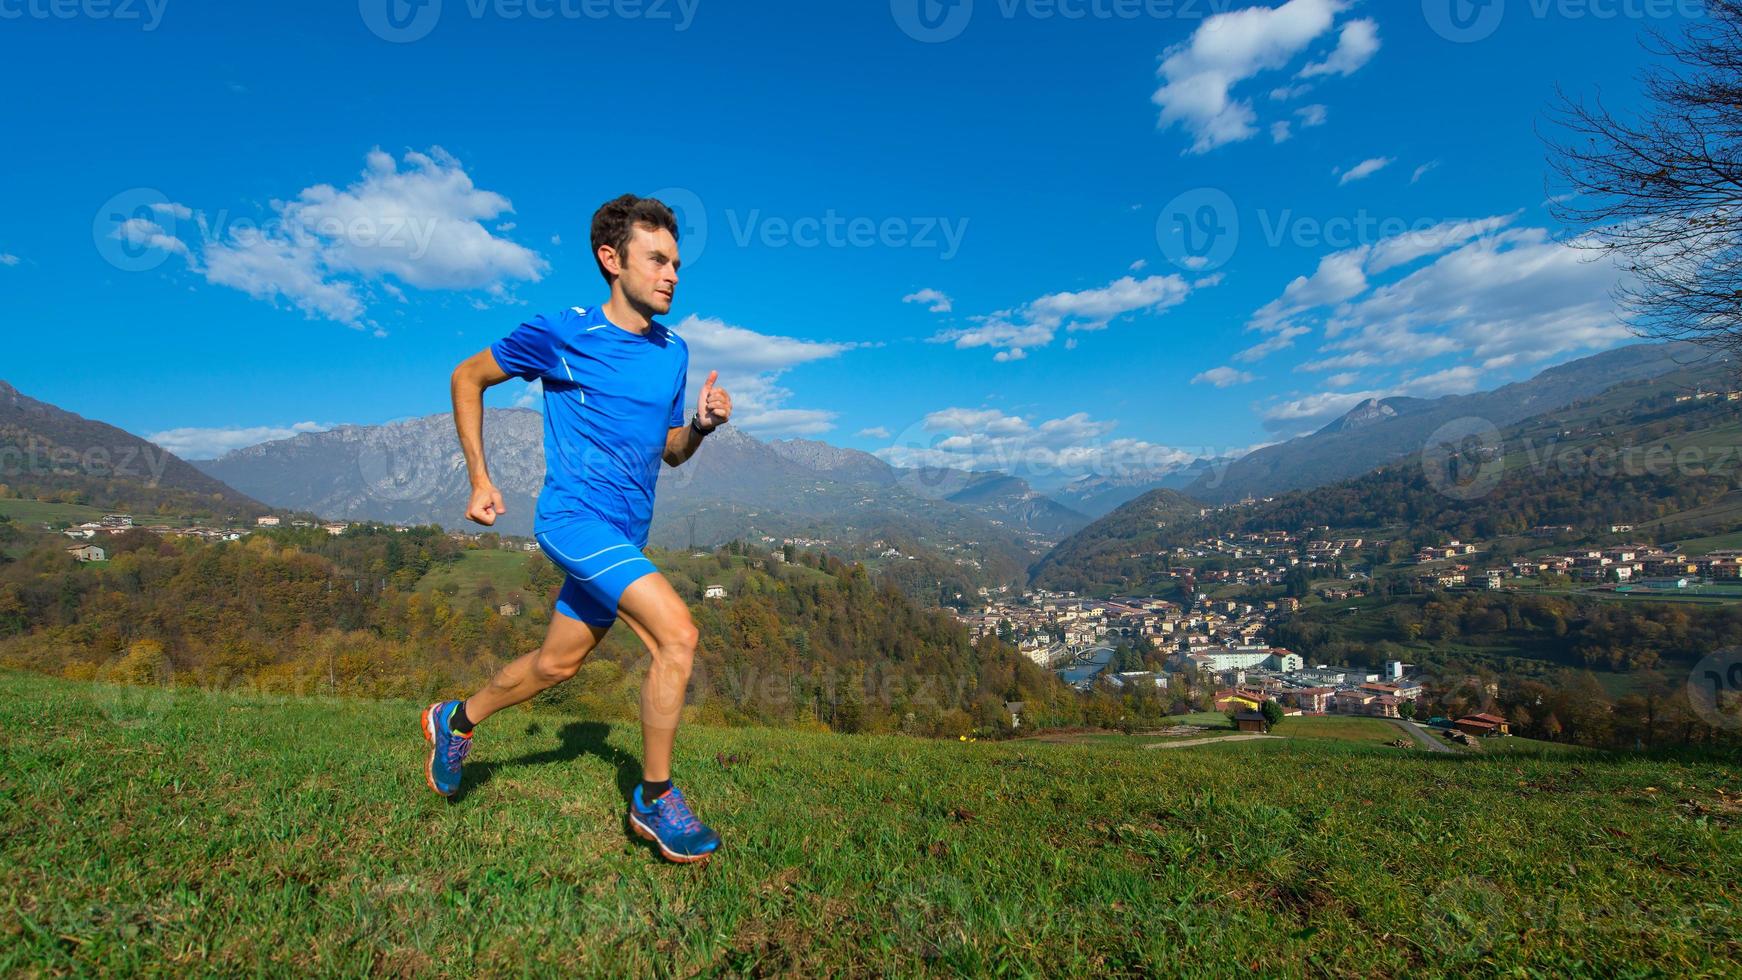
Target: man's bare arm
680	444
476	373
713	409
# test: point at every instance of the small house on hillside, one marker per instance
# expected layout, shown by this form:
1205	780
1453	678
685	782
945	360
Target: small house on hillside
1238	701
1252	721
1482	725
88	552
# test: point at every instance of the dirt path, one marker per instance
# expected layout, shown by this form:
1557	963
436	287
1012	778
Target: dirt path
1206	741
1427	741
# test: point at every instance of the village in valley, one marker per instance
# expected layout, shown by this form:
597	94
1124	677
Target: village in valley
1208	644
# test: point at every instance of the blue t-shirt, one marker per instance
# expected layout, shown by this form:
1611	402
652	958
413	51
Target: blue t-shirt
610	397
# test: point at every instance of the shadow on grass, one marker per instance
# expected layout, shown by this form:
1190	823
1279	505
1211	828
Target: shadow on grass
574	740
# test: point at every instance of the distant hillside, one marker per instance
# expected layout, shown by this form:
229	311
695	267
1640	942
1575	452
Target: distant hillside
736	487
1379	431
1102	558
51	453
1013	501
1640	453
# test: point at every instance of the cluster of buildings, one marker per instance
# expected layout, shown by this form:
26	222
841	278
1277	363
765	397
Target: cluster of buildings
1639	564
1265	558
87	535
1047	625
1324	690
334	529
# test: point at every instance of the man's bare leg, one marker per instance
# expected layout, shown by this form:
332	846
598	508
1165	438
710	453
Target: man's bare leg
661	618
566	644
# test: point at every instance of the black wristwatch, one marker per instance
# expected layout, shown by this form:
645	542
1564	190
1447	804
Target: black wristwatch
695	423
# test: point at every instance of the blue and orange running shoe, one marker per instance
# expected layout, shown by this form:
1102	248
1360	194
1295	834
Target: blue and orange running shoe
670	824
448	749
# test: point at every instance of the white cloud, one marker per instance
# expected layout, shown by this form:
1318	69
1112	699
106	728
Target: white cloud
7	258
1312	411
203	443
1281	339
1423	171
1365	169
750	365
935	300
1224	377
1199	74
1356	46
269	269
1344	275
1400	250
1279	132
1513	297
1312	115
1457	380
326	250
1492	297
149	234
1034	324
1054	450
874	432
1139	265
531	396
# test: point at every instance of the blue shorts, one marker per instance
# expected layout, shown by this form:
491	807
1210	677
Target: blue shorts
600	562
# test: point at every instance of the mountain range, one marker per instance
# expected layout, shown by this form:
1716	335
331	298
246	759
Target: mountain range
1642	451
53	453
738	487
1380	430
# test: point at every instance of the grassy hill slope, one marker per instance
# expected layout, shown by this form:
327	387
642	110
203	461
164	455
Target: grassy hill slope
145	829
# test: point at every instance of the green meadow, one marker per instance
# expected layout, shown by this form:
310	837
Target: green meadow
172	831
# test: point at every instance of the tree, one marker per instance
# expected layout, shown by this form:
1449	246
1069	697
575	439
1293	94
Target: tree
1272	713
1406	710
1662	194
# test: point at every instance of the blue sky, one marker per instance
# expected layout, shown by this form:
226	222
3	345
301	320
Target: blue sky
961	246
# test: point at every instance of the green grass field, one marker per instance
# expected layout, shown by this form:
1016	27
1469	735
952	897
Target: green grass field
506	570
149	831
1373	731
30	513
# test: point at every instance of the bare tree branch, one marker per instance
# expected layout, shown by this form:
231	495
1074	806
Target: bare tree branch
1662	195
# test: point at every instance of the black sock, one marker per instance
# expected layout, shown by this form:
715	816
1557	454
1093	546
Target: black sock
651	790
458	723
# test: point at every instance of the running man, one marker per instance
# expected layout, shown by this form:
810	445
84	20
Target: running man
613	411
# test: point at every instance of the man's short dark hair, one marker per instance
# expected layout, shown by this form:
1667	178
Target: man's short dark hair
616	219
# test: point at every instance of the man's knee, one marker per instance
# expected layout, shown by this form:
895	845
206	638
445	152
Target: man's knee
553	665
677	642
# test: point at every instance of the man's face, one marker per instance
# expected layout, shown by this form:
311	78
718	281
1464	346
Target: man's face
648	270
